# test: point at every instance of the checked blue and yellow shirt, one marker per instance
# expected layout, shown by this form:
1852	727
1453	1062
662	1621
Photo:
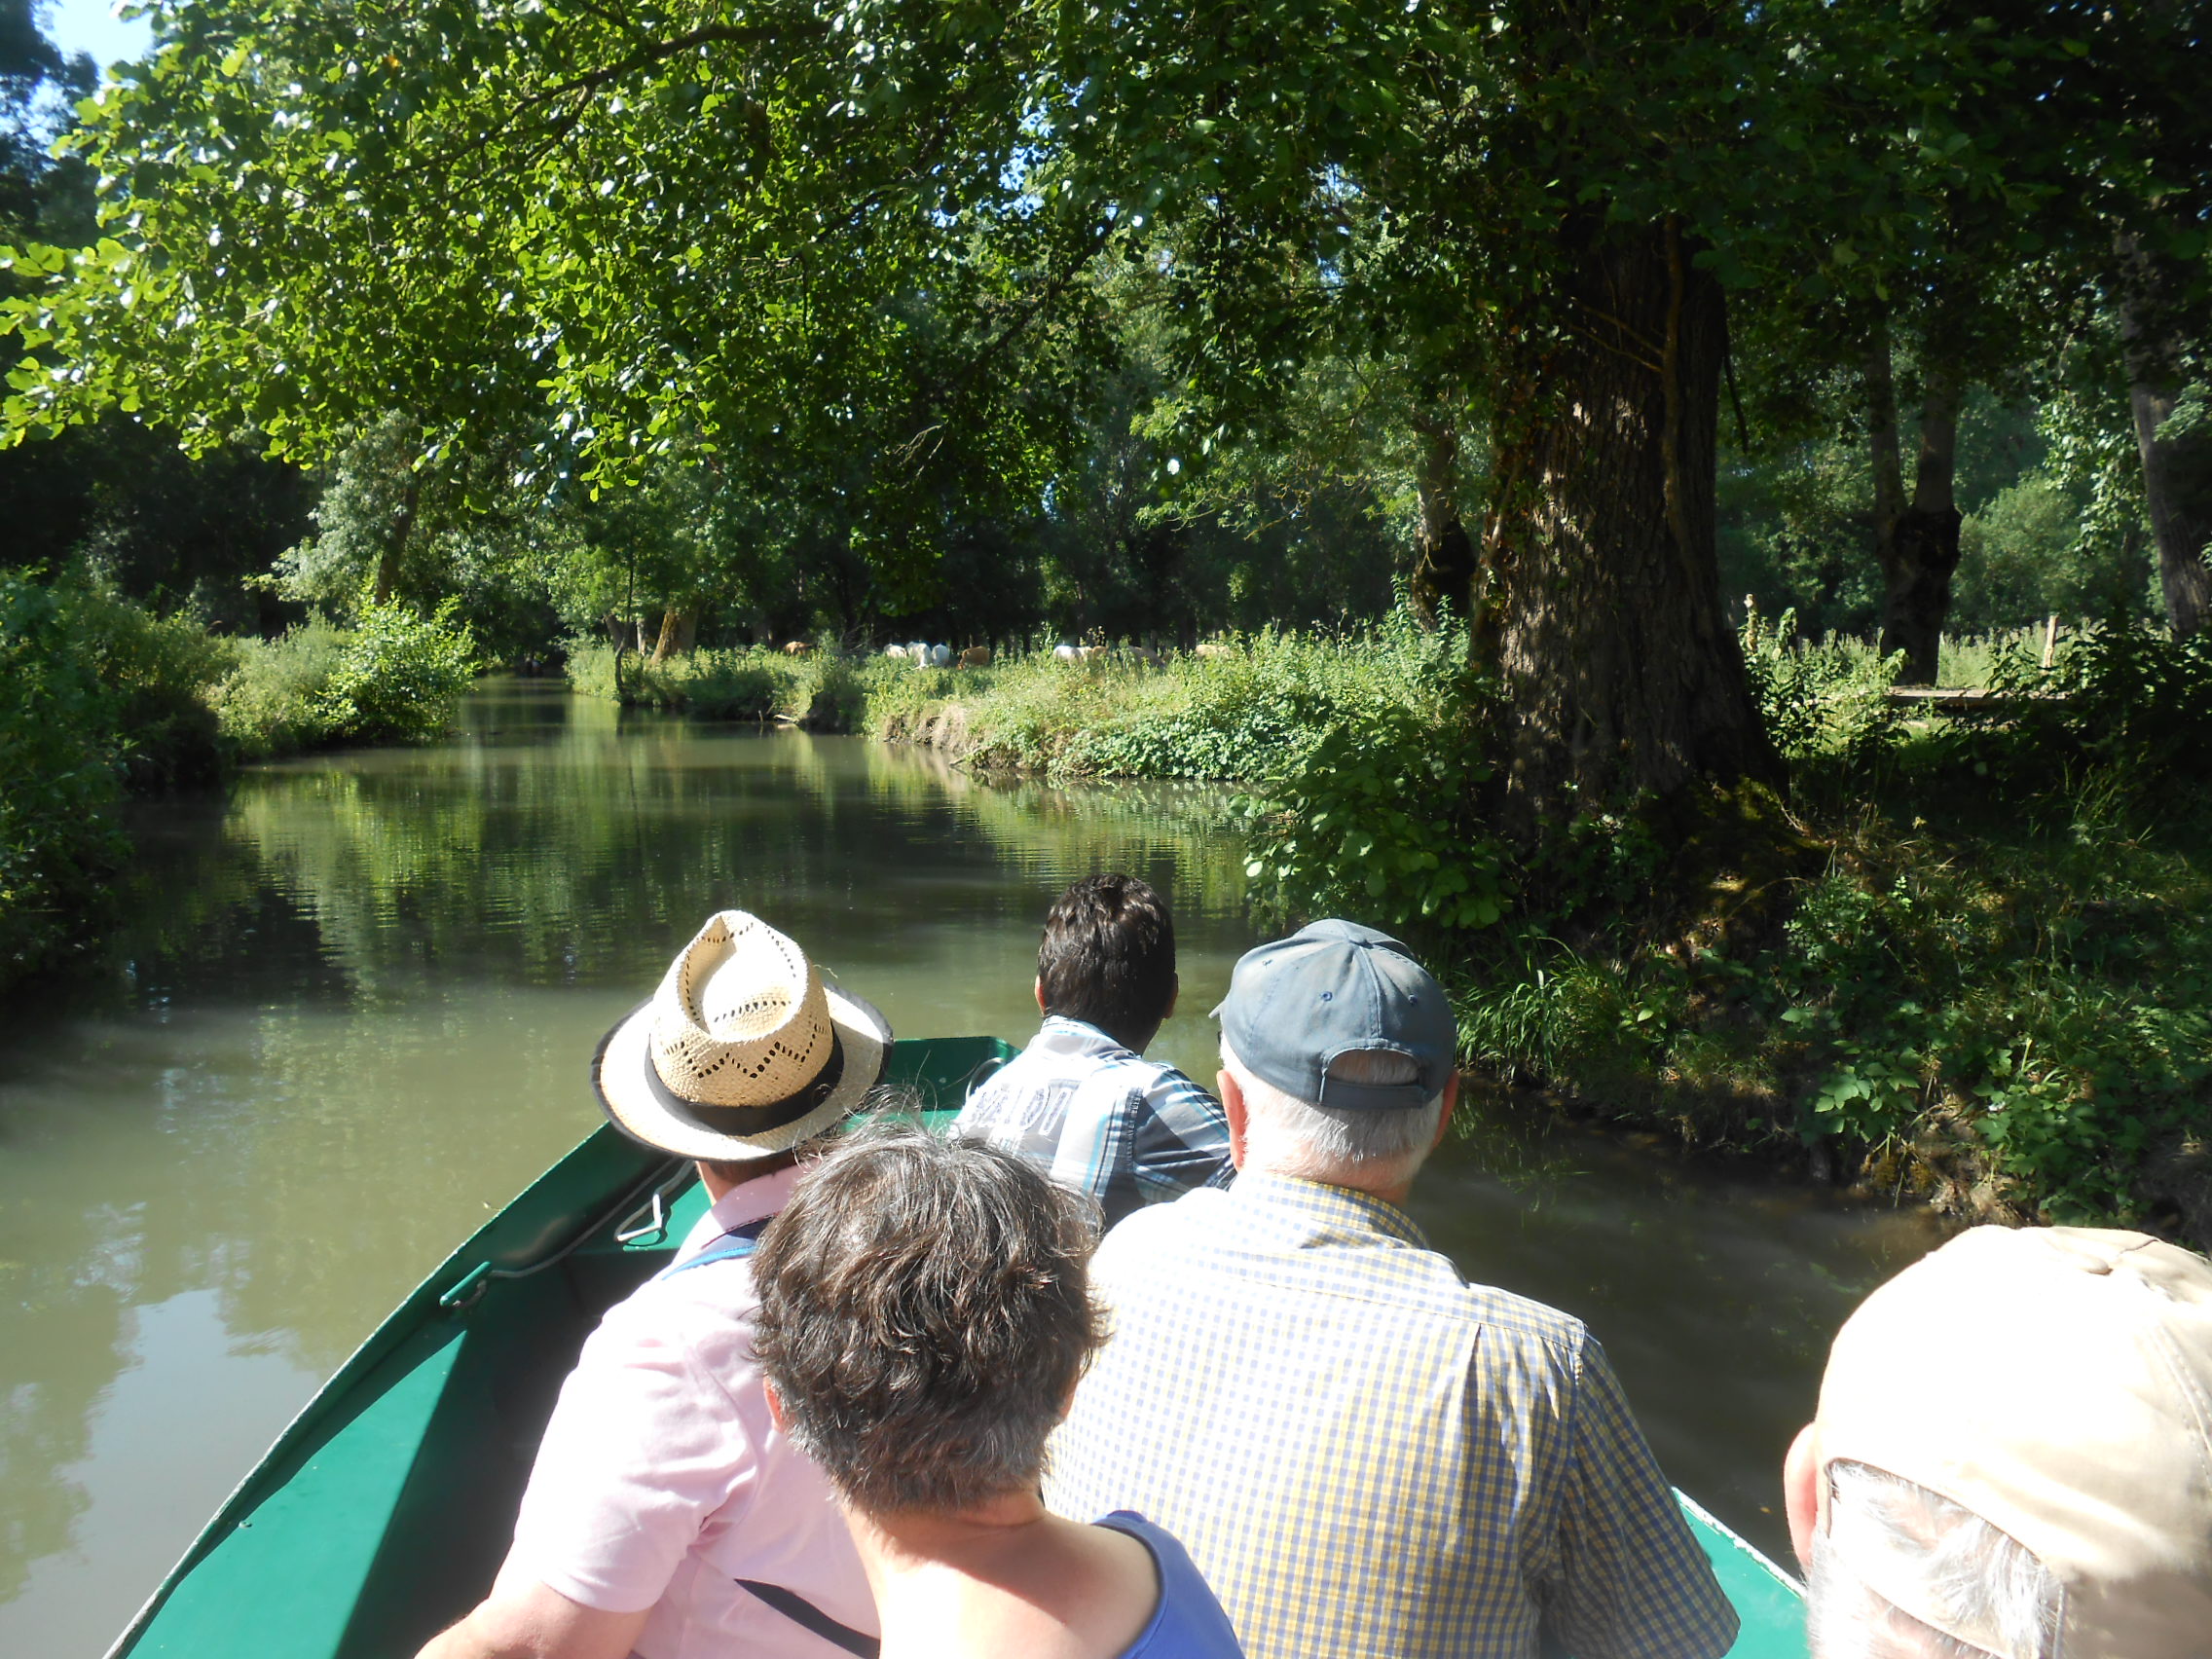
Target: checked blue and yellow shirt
1102	1120
1365	1455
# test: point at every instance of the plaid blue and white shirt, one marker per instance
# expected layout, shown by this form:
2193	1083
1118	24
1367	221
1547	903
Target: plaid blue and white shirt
1102	1120
1365	1455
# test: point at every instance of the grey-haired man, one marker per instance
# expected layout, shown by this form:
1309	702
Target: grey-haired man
1364	1453
2013	1456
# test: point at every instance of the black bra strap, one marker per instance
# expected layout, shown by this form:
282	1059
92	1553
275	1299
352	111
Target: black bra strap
805	1615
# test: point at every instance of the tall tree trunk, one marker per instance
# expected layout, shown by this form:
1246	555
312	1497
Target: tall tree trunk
1921	551
1444	554
395	544
1601	591
678	629
1881	444
2177	465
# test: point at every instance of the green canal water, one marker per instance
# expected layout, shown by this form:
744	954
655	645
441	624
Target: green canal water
348	1014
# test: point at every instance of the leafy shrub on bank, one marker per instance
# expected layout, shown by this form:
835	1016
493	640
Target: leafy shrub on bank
267	706
1824	702
61	775
1377	820
1245	709
156	675
392	678
97	694
398	674
2013	1024
2133	699
2044	1001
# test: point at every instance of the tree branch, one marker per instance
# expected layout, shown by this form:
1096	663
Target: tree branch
710	34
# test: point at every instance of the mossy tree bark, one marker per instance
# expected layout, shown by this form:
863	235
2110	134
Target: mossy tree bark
1599	602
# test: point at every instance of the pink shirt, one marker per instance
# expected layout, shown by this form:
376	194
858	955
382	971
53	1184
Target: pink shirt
661	1480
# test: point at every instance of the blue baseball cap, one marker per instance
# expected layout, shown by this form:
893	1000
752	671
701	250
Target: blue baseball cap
1337	988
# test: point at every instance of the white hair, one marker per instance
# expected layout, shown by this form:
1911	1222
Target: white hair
1993	1582
1364	1148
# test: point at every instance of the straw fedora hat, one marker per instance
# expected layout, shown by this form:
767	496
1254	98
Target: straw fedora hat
742	1052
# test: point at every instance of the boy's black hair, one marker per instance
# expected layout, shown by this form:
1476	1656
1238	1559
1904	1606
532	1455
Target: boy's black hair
1109	958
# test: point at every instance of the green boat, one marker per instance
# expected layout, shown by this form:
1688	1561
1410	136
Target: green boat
383	1511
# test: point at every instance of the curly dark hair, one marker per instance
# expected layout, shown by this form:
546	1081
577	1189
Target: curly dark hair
925	1312
1108	957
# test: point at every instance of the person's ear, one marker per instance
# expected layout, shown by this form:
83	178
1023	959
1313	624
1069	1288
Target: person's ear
1444	1117
1174	996
1232	1105
1801	1492
1039	987
775	1406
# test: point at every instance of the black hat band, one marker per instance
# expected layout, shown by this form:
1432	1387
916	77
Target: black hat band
752	1119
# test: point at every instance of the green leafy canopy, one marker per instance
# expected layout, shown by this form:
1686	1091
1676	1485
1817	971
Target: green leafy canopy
623	229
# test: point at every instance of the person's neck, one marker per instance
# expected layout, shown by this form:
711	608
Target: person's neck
917	1564
1394	1193
1006	1576
719	1186
1135	1042
906	1541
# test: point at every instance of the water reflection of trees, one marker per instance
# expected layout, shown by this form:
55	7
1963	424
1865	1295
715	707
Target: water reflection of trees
1179	831
59	1311
575	863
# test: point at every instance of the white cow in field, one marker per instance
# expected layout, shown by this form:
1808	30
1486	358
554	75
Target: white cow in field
896	653
1065	652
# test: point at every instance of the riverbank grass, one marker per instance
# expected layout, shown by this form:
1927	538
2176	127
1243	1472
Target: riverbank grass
1241	706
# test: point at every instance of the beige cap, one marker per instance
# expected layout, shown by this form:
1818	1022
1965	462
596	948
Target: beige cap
2057	1381
742	1052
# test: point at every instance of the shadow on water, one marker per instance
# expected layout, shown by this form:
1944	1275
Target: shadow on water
349	1013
